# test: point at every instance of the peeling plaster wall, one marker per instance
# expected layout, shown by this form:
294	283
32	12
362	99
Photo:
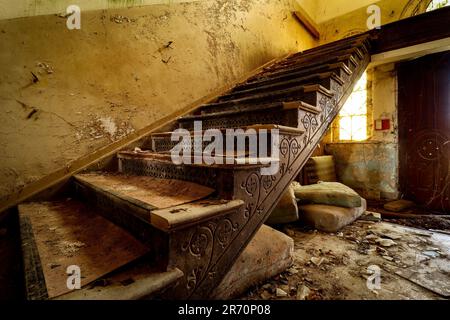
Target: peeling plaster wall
371	167
64	94
27	8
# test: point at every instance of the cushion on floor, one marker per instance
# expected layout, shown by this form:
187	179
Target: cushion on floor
330	218
286	210
269	253
328	193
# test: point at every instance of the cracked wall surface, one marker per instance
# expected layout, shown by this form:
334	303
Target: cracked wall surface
65	94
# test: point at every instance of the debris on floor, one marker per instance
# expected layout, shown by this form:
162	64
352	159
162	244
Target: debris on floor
399	205
412	264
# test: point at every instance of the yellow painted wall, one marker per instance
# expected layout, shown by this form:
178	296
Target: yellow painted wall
115	75
356	21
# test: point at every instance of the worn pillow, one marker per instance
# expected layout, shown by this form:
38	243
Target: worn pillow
330	218
286	210
328	193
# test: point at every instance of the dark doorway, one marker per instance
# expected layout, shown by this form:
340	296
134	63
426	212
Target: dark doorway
424	130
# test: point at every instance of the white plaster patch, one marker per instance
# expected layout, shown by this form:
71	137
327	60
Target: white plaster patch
109	126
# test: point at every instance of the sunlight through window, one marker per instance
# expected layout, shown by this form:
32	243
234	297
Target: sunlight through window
437	4
353	116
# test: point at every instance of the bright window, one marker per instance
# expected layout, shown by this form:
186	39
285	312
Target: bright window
437	4
353	116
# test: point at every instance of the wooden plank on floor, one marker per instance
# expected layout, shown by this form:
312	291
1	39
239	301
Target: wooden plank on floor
69	233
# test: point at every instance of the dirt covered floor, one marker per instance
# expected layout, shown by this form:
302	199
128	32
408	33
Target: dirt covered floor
412	264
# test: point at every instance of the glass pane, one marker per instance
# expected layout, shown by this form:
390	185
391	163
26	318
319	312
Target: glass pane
362	83
359	128
437	4
345	128
356	104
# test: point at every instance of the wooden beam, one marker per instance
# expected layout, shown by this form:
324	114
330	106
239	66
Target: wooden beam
307	22
411	52
423	28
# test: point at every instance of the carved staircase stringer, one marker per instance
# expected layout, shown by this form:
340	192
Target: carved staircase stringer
214	246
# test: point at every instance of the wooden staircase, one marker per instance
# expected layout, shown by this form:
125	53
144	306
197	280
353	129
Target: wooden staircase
191	246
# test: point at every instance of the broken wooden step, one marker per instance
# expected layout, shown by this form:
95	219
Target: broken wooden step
67	234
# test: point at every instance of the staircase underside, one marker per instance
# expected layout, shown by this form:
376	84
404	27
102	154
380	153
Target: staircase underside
154	228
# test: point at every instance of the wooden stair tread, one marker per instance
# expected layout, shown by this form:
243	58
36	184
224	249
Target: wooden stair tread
191	213
238	163
70	233
256	127
147	192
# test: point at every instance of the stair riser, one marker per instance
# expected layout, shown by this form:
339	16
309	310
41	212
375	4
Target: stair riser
165	144
274	116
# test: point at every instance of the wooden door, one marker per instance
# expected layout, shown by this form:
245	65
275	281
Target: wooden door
424	130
